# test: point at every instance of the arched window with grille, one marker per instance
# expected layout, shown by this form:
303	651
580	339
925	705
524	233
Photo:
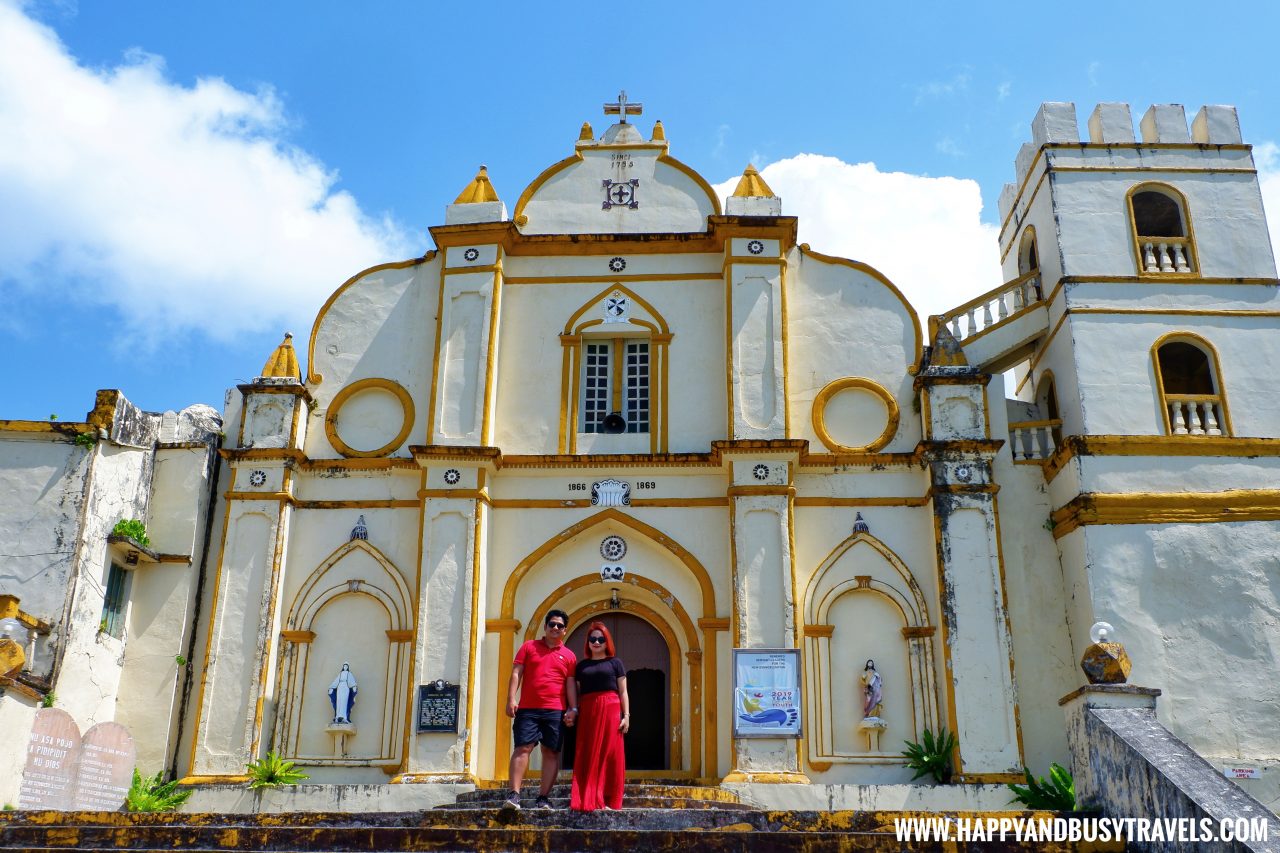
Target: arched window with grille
1161	230
1189	382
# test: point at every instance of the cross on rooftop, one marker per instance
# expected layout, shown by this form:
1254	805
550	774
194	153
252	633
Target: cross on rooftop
622	109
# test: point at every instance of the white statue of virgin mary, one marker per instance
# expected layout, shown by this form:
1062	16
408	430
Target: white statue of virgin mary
342	694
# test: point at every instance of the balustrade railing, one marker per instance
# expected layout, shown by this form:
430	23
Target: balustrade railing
1195	414
994	307
1165	254
1034	441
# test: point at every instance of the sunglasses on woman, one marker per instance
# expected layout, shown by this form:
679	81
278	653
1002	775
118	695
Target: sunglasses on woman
596	641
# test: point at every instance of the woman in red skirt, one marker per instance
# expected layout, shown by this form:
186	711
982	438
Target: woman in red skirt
599	763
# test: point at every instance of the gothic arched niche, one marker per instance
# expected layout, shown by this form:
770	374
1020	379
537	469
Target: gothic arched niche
356	585
863	603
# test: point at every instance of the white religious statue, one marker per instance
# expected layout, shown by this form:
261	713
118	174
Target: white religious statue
872	694
342	694
872	690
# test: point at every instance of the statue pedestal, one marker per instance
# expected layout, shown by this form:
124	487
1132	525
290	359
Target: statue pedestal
340	732
872	727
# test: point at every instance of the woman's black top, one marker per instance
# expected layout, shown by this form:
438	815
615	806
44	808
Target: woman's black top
595	676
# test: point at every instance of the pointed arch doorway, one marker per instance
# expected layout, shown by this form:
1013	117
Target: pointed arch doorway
647	657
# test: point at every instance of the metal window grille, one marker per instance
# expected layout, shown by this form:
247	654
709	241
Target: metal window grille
637	386
595	383
113	603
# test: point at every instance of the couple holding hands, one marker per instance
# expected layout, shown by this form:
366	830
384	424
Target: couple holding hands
550	689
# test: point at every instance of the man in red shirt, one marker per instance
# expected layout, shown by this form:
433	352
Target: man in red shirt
542	677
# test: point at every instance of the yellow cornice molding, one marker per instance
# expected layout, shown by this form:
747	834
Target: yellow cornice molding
69	429
480	190
752	185
262	454
1156	445
1166	508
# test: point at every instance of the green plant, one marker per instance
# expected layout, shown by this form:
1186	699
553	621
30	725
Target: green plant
86	439
180	660
53	417
1057	793
273	771
49	699
931	757
153	794
132	528
10	807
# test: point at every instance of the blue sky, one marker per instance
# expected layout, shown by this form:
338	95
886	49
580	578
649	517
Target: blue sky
182	182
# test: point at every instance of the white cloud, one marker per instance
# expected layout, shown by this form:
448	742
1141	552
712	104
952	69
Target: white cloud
924	233
184	207
1003	90
1267	157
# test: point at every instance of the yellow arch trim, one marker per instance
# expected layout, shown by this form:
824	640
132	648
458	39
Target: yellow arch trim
922	608
1201	343
600	607
340	399
668	160
314	378
835	387
1185	209
641	301
547	174
665	159
1028	236
883	279
604	516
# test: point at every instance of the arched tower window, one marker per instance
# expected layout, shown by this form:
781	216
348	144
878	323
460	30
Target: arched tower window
1028	253
1189	383
1161	230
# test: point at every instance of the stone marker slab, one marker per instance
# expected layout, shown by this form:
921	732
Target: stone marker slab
53	758
107	758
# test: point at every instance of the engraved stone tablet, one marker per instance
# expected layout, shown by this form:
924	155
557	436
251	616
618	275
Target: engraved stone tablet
53	754
438	707
107	757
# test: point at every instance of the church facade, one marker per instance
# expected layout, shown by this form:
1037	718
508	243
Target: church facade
634	401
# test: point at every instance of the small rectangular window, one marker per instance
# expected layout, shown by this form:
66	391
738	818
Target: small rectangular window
637	387
595	384
115	602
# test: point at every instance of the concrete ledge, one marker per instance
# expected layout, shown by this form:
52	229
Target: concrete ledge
239	799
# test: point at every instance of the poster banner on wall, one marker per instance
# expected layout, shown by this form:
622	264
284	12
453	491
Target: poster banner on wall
766	693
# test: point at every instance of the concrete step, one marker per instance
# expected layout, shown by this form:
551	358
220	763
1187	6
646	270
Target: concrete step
486	830
628	802
634	789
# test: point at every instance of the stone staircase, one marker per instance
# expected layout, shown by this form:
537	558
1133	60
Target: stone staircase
655	817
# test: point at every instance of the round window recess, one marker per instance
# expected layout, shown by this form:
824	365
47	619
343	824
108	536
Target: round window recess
855	415
369	418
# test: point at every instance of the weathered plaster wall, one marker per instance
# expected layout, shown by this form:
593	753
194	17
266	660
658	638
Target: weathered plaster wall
43	484
1195	606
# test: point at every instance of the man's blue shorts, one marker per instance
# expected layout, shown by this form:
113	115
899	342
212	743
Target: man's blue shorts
534	725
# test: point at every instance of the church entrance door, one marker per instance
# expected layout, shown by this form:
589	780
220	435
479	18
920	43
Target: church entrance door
648	660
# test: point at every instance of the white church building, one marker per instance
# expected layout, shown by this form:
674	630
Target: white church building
635	401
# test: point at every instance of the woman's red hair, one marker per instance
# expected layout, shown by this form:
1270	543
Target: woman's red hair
609	650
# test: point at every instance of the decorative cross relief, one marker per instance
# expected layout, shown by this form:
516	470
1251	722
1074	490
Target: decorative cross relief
620	194
622	109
